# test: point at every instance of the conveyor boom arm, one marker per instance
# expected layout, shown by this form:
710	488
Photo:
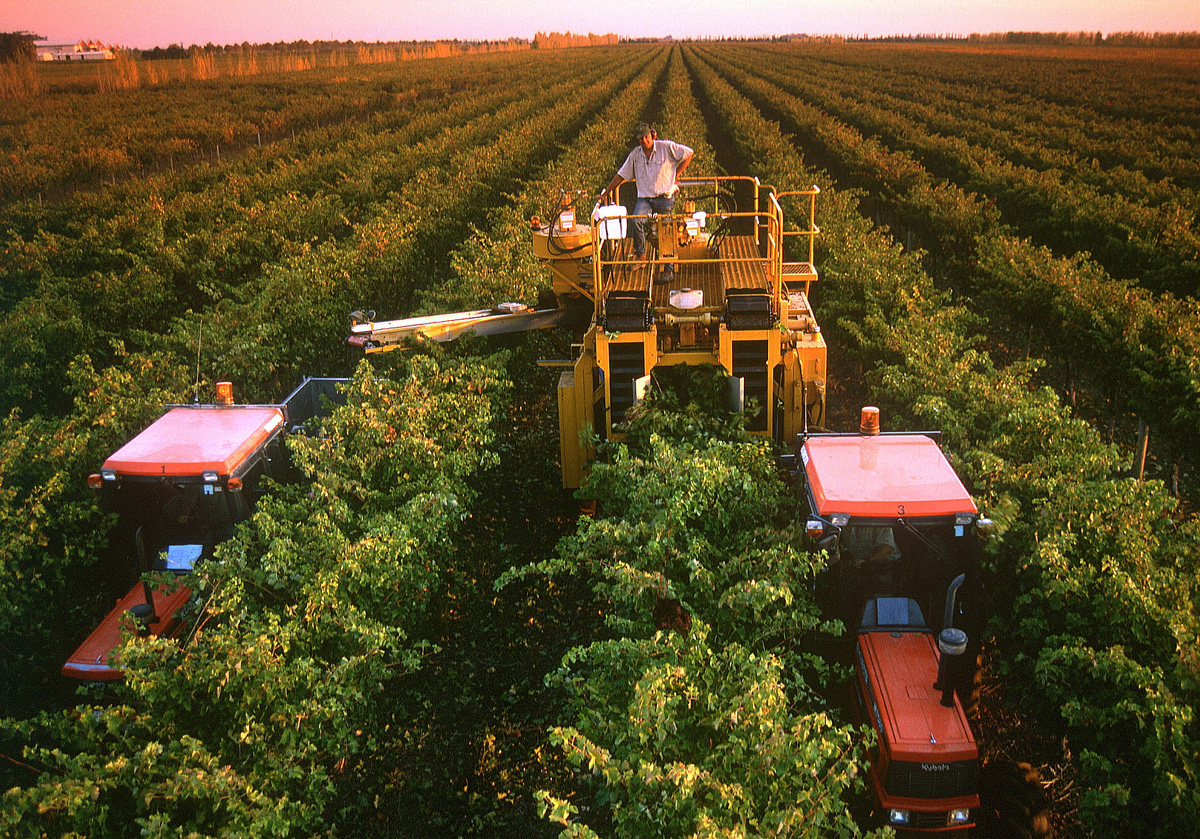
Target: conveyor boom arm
379	336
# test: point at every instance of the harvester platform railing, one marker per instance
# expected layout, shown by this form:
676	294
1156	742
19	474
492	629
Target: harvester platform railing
802	271
706	245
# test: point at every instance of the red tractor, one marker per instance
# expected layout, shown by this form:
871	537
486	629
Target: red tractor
177	489
901	533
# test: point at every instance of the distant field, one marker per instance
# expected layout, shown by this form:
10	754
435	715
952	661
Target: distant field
1010	253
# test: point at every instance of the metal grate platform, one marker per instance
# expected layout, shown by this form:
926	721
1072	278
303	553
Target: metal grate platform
738	266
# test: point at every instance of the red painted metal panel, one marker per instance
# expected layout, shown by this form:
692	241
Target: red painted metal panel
186	441
903	667
883	477
91	661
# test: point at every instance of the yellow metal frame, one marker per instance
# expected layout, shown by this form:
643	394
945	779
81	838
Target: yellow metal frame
805	272
795	359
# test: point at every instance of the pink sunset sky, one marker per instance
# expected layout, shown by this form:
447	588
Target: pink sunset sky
147	23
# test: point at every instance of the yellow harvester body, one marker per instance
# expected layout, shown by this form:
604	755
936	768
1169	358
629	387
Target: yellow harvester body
732	300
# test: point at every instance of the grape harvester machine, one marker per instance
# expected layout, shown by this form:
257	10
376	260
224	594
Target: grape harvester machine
735	296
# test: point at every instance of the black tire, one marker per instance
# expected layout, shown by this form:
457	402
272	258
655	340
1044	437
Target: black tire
1013	804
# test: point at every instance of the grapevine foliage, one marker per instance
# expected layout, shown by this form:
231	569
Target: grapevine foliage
684	699
310	612
705	717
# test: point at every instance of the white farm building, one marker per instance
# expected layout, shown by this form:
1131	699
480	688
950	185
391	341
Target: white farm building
82	51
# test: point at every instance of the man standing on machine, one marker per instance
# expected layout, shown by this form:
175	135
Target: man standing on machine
655	166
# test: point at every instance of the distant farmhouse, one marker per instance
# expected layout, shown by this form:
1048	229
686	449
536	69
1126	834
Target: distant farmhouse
82	51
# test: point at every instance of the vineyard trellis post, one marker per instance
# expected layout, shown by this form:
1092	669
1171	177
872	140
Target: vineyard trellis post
1143	445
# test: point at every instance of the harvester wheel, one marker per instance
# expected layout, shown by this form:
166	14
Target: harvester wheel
1013	804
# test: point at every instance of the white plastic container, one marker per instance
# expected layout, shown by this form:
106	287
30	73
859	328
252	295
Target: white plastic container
611	221
686	298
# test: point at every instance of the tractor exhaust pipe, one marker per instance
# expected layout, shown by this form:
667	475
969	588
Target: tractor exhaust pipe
143	613
952	642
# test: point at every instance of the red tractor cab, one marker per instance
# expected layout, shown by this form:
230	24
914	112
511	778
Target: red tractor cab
178	489
904	572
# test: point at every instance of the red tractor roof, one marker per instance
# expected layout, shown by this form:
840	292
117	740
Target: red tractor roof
903	666
882	476
186	441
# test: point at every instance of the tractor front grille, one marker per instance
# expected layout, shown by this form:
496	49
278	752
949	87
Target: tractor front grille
929	821
932	780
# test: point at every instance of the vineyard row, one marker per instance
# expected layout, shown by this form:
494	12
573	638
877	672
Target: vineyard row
1134	348
1091	620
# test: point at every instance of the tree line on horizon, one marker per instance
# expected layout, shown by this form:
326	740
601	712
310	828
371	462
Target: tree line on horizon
16	47
1082	39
